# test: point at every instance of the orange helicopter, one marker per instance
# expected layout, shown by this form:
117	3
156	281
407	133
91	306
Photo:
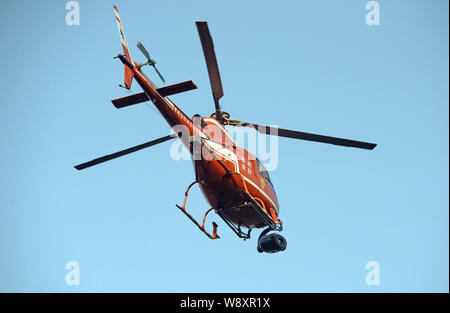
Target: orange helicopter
233	180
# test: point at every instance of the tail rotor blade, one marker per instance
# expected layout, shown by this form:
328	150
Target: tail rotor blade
159	74
144	51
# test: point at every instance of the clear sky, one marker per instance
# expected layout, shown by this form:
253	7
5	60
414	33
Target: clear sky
314	66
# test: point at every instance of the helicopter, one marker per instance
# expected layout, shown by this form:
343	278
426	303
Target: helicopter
233	180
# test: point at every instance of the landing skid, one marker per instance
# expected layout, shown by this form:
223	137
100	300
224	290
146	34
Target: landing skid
202	226
271	225
237	229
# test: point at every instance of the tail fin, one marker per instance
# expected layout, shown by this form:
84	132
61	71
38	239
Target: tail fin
128	72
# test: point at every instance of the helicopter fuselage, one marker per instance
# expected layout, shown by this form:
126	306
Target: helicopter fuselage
230	177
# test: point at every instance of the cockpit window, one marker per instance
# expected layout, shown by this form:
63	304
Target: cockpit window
262	170
268	178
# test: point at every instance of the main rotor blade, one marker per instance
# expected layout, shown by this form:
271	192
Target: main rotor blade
144	51
281	132
123	152
211	62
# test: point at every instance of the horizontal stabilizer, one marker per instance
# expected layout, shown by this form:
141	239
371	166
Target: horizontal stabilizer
130	100
177	88
164	92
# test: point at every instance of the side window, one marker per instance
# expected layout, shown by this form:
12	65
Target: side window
260	167
262	170
268	179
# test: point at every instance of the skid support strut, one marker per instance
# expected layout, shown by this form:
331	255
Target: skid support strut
202	226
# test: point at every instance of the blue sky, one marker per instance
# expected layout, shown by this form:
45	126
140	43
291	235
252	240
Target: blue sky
313	66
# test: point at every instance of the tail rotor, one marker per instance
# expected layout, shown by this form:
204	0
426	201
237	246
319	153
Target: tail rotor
150	61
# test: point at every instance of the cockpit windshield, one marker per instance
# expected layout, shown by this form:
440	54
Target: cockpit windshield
262	170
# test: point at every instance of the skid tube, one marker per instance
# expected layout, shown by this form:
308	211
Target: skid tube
202	226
